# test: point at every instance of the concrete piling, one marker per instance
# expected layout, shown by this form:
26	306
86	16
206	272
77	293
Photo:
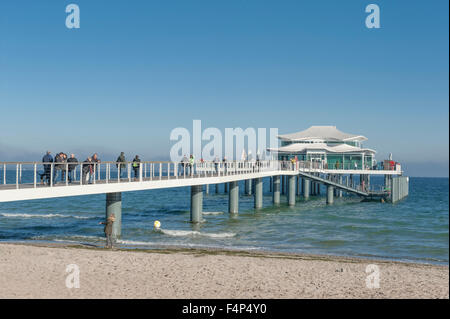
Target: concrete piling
258	193
233	198
330	194
248	187
306	186
291	190
196	203
276	190
114	206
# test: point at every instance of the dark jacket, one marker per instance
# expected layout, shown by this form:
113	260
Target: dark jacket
47	159
72	160
136	164
86	166
108	226
121	159
59	159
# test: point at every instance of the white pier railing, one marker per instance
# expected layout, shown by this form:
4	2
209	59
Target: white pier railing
18	175
40	174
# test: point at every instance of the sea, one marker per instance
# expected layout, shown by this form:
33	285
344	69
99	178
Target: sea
415	229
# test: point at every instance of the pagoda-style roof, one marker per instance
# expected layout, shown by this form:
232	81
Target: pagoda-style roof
321	134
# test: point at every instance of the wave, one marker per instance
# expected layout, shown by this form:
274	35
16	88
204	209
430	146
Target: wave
133	242
212	213
195	233
74	238
41	216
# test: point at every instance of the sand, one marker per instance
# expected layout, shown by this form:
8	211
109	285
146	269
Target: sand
33	271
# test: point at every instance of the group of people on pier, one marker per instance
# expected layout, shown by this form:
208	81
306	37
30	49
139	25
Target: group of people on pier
61	163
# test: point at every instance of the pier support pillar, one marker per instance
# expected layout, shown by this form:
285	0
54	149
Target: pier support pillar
306	186
291	190
233	198
340	182
330	195
276	190
196	203
225	188
248	187
258	192
114	206
271	184
298	185
217	188
207	189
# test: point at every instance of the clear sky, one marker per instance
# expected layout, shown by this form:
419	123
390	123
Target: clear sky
137	69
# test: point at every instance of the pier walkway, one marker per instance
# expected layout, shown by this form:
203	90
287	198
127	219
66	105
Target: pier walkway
21	179
21	182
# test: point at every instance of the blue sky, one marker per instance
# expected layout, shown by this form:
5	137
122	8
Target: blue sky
137	69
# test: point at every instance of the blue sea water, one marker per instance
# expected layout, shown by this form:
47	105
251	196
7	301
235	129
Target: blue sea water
415	229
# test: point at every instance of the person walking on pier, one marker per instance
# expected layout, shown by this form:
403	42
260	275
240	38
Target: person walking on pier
94	167
136	166
191	165
108	230
224	161
184	163
59	158
121	163
71	167
86	169
63	167
216	164
47	167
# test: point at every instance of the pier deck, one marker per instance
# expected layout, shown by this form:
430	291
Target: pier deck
159	175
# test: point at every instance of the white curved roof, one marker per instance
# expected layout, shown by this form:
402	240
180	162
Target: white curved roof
322	133
303	147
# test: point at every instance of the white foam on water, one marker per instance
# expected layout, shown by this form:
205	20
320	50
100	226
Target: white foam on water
41	216
195	233
75	238
132	242
212	213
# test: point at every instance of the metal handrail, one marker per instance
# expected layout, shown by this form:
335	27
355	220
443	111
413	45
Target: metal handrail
81	173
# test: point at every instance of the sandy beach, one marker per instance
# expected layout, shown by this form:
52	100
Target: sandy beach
36	271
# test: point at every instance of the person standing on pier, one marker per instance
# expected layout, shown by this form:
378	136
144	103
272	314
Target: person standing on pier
108	230
86	169
71	167
216	164
94	167
184	163
191	165
59	158
136	165
121	163
47	167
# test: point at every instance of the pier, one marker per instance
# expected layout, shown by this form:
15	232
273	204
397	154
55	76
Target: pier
24	183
